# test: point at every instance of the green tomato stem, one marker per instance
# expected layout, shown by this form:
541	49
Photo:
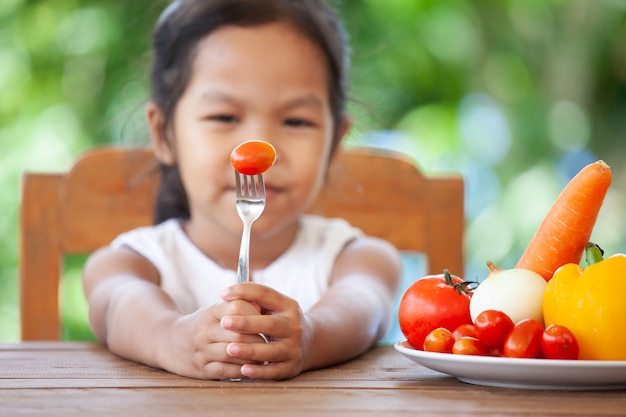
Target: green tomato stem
464	287
593	253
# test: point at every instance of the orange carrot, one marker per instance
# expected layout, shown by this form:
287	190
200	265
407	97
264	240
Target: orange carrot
566	228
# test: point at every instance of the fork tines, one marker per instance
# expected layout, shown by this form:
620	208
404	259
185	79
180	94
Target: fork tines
250	187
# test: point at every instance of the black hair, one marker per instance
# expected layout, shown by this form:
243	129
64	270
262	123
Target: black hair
185	22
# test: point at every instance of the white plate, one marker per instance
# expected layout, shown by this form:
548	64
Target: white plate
522	373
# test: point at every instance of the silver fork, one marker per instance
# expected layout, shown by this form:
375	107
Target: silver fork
250	204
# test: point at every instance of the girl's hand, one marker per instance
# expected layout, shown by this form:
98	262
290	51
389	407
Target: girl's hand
282	321
198	342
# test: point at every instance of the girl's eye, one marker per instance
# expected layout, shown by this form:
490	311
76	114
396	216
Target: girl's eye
294	122
223	118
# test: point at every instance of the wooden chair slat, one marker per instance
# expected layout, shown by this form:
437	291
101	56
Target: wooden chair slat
107	192
40	260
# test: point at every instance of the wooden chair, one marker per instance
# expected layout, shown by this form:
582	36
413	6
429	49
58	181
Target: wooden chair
110	190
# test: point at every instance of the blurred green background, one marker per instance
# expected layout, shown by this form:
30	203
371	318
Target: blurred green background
517	95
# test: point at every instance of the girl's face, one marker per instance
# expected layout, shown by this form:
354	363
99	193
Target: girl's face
265	82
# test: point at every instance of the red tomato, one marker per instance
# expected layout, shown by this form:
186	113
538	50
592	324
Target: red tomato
492	327
464	330
524	341
470	346
431	302
439	340
253	157
558	342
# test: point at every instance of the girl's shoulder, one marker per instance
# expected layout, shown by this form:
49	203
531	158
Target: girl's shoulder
159	234
320	232
313	224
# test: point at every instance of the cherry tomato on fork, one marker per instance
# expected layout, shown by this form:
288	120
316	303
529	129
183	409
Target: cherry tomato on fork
253	157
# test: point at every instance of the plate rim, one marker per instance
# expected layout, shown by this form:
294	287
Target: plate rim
583	363
445	363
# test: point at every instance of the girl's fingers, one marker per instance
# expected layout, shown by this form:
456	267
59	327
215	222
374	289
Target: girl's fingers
257	353
273	371
228	335
213	360
267	298
272	325
234	307
216	352
223	370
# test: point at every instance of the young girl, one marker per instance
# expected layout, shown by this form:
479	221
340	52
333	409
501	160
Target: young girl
225	71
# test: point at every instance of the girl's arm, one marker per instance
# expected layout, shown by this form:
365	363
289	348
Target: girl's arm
356	311
137	320
349	319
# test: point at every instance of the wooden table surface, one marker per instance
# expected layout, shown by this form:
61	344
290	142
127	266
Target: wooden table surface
84	379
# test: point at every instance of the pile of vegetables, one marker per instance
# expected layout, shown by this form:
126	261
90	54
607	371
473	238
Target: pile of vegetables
495	334
548	306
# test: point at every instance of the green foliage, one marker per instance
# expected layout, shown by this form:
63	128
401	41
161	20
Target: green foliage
72	75
514	94
73	303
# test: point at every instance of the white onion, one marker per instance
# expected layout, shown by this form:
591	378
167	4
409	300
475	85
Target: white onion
517	292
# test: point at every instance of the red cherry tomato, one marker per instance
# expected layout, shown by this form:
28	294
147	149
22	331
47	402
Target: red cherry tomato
524	341
492	327
464	330
558	342
431	302
470	346
439	340
253	157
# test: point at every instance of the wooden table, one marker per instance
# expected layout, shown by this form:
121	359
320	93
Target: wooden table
84	379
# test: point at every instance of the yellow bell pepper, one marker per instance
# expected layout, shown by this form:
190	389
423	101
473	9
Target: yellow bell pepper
591	303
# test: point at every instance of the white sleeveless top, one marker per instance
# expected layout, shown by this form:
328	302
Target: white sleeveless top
193	280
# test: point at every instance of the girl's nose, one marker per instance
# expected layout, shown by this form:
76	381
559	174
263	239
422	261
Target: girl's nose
267	132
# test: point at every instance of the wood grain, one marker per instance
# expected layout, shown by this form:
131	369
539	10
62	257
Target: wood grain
84	379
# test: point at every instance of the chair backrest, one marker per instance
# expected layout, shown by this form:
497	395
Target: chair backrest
110	190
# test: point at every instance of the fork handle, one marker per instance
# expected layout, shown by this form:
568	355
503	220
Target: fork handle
243	265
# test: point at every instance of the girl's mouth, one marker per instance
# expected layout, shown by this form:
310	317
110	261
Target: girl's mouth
271	191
